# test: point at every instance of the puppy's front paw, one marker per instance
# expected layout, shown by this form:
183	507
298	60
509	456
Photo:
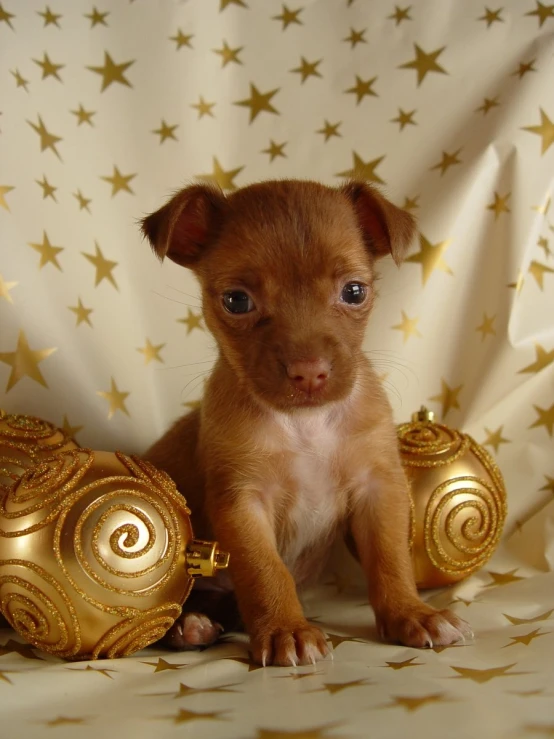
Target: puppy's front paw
420	625
191	631
301	645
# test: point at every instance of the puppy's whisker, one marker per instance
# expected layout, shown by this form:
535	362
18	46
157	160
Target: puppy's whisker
173	300
188	295
190	364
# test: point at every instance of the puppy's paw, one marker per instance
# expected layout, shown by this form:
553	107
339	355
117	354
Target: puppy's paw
192	631
301	645
420	625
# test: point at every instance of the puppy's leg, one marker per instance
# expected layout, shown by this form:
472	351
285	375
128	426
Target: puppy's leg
380	526
206	615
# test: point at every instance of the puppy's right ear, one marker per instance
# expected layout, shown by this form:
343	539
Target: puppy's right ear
182	227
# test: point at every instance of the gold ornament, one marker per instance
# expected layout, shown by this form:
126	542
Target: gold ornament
458	497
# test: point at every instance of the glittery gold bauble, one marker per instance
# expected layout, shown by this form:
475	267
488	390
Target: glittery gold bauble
96	554
459	501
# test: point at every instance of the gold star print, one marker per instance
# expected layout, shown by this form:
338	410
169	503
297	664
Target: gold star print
549	485
166	132
307	69
495	438
298	675
275	150
24	361
543	209
119	181
183	716
225	3
487	327
220	177
448	397
64	721
333	688
411	203
48	252
112	72
542	360
5	288
408	326
81	312
259	102
356	37
447	161
545	130
362	88
49	69
83	116
483	676
430	257
48	190
314	733
526	639
83	202
96	17
151	352
228	54
543	243
425	63
104	267
203	108
47	140
71	431
88	668
538	271
413	704
488	103
404	118
181	39
543	12
15	647
503	578
524	67
330	129
116	399
19	80
518	284
50	18
162	665
527	693
336	639
192	321
546	418
6	17
192	405
288	16
400	14
405	663
500	204
363	170
491	16
520	621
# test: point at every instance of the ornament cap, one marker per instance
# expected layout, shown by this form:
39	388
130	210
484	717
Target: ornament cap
204	559
423	415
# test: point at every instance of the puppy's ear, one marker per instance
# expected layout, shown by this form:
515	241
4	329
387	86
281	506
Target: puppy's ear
185	224
386	228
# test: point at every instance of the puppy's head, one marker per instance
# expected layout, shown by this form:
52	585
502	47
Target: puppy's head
287	276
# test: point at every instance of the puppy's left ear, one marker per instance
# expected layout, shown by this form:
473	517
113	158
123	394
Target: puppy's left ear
386	228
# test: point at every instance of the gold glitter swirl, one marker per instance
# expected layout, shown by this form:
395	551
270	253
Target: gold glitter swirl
29	431
426	444
14	462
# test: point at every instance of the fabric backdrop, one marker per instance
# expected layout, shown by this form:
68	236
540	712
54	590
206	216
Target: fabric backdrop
449	106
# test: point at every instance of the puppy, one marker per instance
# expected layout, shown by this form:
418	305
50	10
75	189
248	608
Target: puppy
294	441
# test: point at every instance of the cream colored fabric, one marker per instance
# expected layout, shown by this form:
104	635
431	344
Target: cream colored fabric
447	104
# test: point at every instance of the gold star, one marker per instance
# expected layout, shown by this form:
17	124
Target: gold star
161	665
72	431
543	209
430	257
258	102
336	639
491	16
307	69
333	688
15	647
228	55
166	132
411	203
47	140
64	720
183	716
363	170
413	704
408	326
220	177
526	639
524	67
192	321
203	108
503	578
424	63
518	284
538	271
330	129
81	312
448	160
96	17
543	243
103	266
495	438
487	327
151	352
527	693
483	676
5	288
88	668
488	103
288	17
362	88
225	3
356	37
182	39
48	190
298	675
275	150
314	733
520	621
545	130
48	252
83	116
20	81
401	14
116	399
448	397
119	181
3	674
4	190
546	418
404	119
112	72
549	484
406	663
83	202
6	17
542	360
50	18
543	12
49	69
500	204
24	361
192	405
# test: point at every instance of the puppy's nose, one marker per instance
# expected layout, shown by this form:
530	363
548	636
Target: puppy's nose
309	375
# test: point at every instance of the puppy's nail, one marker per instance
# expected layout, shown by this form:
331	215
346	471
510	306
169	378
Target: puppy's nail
429	643
264	658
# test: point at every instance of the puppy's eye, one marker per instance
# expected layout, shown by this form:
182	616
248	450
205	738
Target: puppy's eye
237	302
354	293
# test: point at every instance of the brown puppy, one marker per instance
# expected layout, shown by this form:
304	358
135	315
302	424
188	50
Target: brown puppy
294	440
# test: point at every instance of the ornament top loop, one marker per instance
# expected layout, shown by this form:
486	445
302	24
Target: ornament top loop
423	415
